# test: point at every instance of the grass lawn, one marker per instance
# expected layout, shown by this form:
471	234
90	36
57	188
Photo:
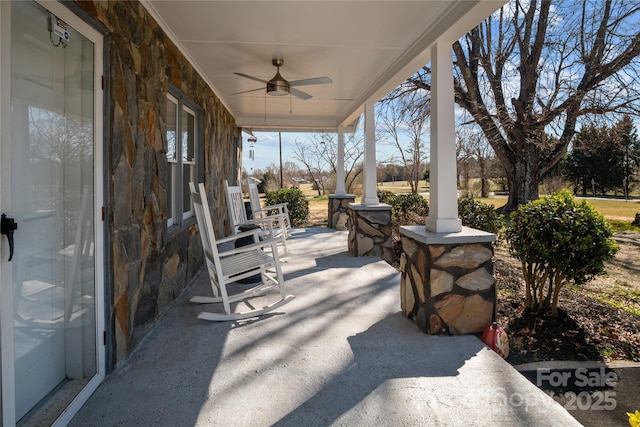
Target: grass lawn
613	210
616	208
619	213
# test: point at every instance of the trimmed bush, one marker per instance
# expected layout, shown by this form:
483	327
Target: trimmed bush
406	209
296	201
404	204
384	196
479	215
559	242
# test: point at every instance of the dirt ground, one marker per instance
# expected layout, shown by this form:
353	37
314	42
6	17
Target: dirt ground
589	325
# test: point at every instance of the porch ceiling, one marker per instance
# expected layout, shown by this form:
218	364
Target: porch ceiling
366	47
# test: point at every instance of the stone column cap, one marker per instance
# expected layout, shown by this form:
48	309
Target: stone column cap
376	207
466	235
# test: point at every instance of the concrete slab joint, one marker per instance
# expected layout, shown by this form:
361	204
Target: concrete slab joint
447	285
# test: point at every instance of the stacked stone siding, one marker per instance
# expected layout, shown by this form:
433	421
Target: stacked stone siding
339	211
150	265
370	233
447	288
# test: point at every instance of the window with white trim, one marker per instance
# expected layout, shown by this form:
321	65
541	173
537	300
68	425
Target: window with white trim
183	142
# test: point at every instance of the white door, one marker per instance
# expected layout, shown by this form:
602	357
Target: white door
49	177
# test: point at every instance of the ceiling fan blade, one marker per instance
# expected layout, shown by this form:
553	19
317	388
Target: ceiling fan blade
247	76
300	94
247	91
311	81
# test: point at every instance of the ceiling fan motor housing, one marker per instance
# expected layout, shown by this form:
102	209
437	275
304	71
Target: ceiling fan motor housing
277	86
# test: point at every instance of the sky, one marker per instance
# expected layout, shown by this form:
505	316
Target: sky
267	150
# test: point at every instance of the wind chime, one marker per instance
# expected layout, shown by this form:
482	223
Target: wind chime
252	140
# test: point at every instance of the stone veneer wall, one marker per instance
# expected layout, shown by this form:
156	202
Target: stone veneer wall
339	210
370	231
447	288
149	266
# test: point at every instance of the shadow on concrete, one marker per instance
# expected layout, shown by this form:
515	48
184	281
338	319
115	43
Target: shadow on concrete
379	355
340	353
166	380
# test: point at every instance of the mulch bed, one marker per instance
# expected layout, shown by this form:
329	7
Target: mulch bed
585	329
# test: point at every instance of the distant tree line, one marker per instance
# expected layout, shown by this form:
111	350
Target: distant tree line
604	159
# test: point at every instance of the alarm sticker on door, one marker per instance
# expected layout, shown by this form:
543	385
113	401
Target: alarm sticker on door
58	27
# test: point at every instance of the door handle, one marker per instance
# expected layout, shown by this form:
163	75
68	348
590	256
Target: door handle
7	227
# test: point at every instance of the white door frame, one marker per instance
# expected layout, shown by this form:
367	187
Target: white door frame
6	292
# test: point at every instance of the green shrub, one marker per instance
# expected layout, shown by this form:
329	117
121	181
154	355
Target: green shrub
264	182
384	196
296	201
479	215
559	242
406	209
404	204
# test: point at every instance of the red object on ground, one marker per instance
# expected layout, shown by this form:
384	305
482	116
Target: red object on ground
496	339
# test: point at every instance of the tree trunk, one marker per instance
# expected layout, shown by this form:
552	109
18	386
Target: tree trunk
465	169
484	188
484	185
523	175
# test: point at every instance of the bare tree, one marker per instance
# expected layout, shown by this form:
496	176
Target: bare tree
59	138
464	158
290	170
483	153
319	155
472	149
536	68
403	122
311	153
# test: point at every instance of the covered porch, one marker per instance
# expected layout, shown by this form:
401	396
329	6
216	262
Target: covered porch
190	59
341	353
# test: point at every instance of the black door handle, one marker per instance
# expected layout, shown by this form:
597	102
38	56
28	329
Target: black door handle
8	226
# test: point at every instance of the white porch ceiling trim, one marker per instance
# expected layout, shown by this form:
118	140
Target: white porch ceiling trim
366	47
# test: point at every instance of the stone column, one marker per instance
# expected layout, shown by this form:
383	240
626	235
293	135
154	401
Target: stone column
370	231
446	283
339	210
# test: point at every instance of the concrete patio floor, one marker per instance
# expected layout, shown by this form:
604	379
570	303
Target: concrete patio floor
341	353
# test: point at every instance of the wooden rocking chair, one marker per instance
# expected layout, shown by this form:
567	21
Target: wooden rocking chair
236	264
272	226
260	211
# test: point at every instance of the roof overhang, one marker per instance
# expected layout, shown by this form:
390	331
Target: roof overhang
367	48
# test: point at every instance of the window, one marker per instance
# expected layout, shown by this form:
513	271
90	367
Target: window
183	148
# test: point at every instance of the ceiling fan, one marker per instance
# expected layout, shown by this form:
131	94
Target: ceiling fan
278	86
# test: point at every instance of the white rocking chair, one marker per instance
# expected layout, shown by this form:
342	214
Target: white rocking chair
272	226
234	265
260	211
